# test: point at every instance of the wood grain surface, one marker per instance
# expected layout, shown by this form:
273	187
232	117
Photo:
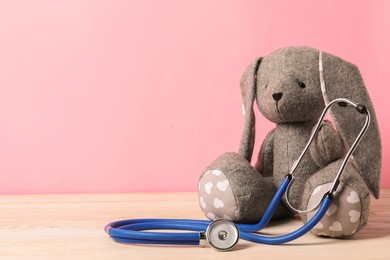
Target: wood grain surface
71	227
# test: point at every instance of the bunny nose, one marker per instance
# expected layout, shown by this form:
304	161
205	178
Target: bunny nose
277	96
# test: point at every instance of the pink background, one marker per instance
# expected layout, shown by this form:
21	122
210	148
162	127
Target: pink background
128	96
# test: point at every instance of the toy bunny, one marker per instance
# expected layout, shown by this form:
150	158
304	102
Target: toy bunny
291	87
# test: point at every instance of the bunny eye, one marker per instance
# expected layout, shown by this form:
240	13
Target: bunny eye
301	85
265	86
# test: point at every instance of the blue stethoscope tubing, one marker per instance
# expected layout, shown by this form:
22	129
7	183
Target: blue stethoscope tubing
127	231
131	231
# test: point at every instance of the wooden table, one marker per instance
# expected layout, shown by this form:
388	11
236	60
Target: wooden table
71	227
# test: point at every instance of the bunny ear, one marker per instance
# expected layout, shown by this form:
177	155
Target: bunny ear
340	78
248	93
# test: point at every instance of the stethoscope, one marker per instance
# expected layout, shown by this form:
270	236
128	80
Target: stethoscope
223	234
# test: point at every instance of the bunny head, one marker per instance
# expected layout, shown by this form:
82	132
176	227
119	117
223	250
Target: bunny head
292	85
287	86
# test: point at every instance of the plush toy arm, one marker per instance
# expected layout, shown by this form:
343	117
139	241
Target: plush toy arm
327	146
265	159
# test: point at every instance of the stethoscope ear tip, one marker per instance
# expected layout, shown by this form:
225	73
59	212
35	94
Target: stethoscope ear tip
222	234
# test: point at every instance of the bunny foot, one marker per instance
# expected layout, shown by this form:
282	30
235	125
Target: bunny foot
232	189
348	212
343	216
216	197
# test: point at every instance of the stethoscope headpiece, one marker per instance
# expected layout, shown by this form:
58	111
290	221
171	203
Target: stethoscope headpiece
222	234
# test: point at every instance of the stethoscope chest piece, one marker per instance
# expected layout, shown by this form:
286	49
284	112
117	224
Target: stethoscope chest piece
222	234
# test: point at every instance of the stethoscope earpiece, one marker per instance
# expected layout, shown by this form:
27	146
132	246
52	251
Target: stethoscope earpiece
342	102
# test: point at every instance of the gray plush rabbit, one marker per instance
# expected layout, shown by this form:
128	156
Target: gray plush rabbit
291	87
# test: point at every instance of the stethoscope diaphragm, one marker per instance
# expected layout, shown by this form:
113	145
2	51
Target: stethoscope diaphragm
222	234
